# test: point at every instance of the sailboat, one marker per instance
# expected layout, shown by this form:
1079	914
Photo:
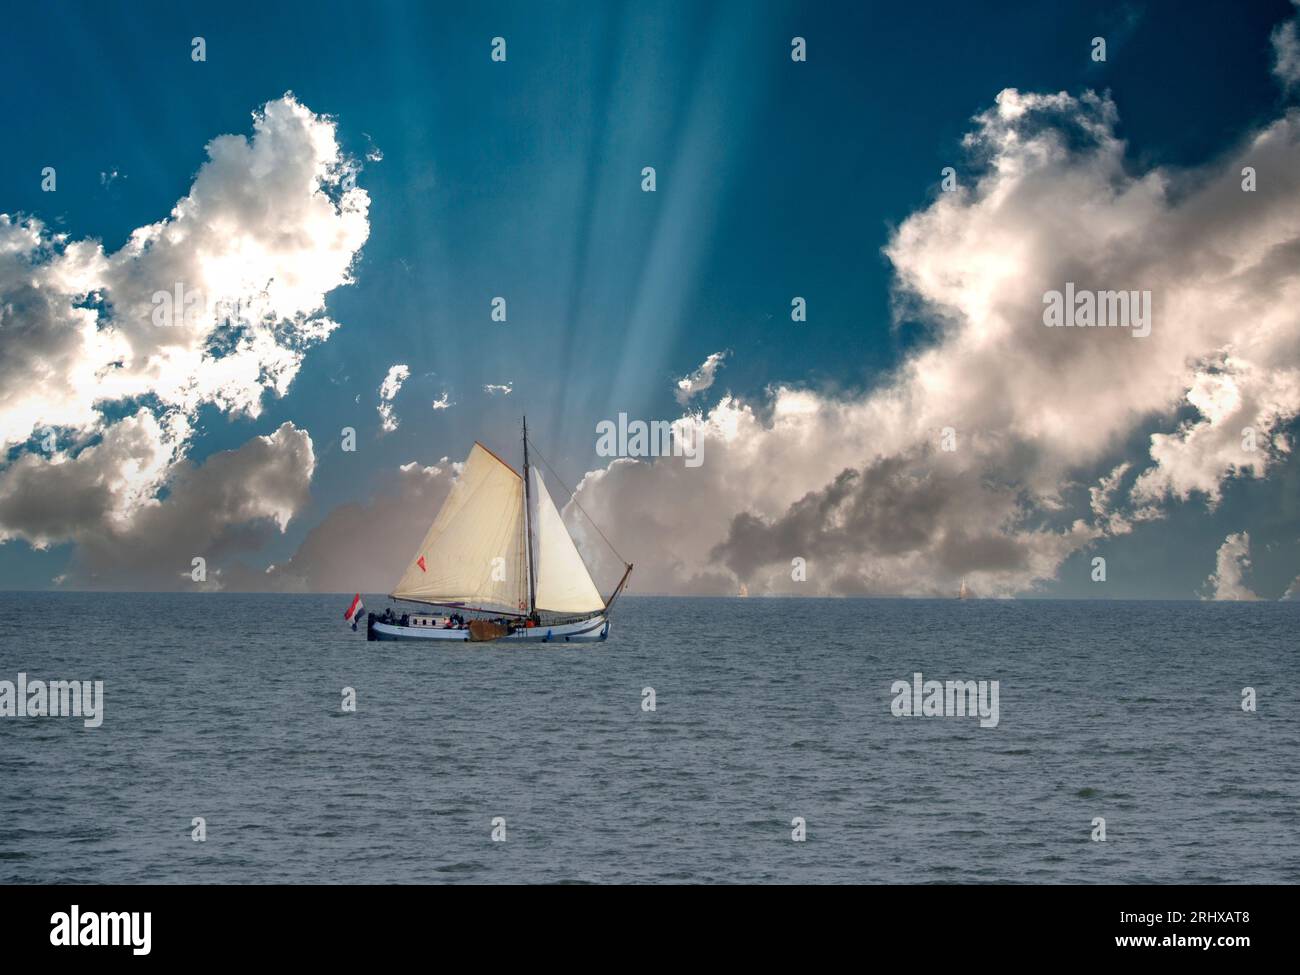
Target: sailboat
964	591
499	548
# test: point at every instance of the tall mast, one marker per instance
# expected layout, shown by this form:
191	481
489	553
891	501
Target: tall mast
528	526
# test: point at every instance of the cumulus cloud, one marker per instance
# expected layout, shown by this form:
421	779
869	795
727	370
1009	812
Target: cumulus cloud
862	487
233	503
1102	497
1231	563
110	355
443	402
789	481
265	232
1286	54
49	500
701	379
504	389
388	389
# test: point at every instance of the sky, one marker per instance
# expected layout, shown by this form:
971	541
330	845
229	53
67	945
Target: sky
347	189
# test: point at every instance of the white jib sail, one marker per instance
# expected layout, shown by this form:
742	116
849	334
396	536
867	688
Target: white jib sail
473	553
563	583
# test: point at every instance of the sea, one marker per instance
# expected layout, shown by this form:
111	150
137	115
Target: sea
707	741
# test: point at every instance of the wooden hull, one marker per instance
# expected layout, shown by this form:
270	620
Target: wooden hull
594	629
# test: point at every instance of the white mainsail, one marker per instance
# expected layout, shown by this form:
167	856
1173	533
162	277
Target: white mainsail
563	583
473	554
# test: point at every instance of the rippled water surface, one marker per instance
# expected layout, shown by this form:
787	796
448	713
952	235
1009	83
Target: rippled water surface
228	707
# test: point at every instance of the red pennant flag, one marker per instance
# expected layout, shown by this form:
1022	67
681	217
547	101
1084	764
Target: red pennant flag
420	563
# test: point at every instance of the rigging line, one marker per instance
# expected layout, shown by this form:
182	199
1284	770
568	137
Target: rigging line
573	496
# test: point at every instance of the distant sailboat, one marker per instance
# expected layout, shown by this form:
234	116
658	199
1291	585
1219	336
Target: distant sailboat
744	591
964	592
498	546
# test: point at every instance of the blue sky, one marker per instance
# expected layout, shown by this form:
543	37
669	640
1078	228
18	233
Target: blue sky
522	179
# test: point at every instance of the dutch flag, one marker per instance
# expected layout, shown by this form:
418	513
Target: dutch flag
354	611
